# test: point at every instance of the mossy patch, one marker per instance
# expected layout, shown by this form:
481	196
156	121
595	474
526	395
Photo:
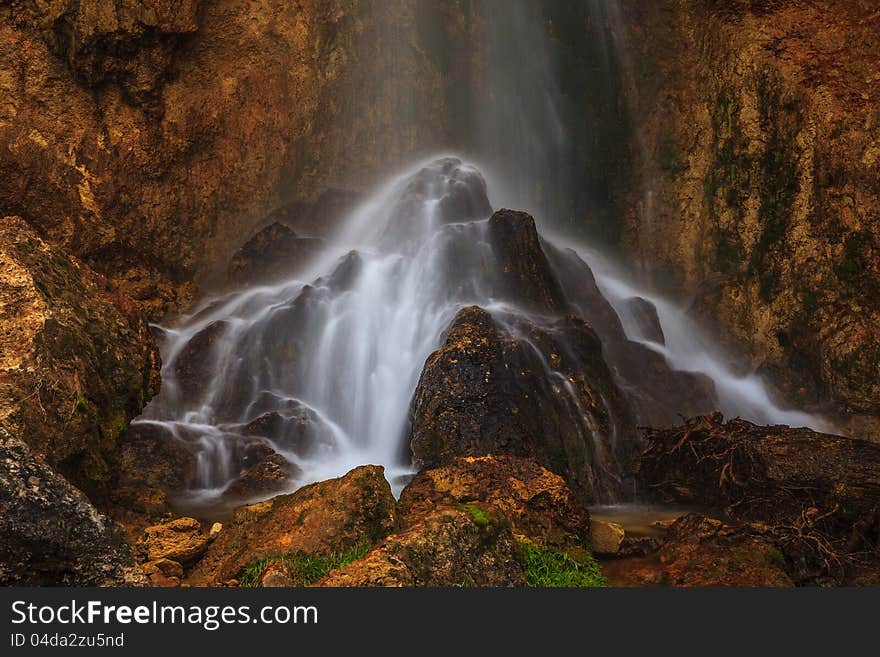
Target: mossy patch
480	517
303	568
546	568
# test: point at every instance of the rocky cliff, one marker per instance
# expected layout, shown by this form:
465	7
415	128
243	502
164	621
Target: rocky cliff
149	137
757	124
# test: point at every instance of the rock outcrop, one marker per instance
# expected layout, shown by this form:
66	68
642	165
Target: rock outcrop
147	136
538	503
760	180
329	516
448	547
270	255
521	389
50	534
77	361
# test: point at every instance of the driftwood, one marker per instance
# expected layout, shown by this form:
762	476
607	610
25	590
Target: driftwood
816	495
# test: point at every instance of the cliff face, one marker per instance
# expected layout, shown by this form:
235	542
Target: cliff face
759	130
148	137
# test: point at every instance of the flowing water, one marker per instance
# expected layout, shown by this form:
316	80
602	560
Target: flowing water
323	366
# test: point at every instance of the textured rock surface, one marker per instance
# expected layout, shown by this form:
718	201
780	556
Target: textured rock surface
270	255
49	532
333	515
149	136
816	496
77	361
486	391
538	503
180	540
448	547
701	551
763	165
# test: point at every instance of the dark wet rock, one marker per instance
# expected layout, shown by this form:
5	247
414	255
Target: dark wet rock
330	516
816	494
193	366
448	547
298	430
523	273
645	314
271	255
50	535
77	361
150	456
264	471
539	503
524	390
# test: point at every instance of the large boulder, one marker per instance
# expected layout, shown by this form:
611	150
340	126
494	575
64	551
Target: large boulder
180	540
77	361
510	386
539	503
448	547
50	535
325	517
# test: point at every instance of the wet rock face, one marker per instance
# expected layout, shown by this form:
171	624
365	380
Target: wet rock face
150	456
523	390
330	516
448	547
77	361
271	255
764	173
49	532
538	503
523	271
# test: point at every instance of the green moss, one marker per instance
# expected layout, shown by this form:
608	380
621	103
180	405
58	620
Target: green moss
550	569
303	568
480	517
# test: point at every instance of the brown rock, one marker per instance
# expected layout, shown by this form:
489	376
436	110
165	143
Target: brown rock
151	457
538	503
329	516
77	361
486	391
180	540
448	547
606	537
265	472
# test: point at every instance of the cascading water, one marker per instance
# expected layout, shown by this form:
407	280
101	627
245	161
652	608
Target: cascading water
322	367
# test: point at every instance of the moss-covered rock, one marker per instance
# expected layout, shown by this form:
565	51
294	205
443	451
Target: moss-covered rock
77	361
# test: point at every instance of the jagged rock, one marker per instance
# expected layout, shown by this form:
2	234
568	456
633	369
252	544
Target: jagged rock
539	504
193	365
275	577
606	537
487	391
50	535
180	540
163	572
645	315
77	361
265	472
448	547
328	516
271	255
524	274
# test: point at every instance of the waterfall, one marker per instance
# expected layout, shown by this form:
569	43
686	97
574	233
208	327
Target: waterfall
323	366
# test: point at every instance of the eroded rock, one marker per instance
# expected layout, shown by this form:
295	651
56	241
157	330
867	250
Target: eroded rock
321	518
538	503
271	255
521	389
180	540
447	547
